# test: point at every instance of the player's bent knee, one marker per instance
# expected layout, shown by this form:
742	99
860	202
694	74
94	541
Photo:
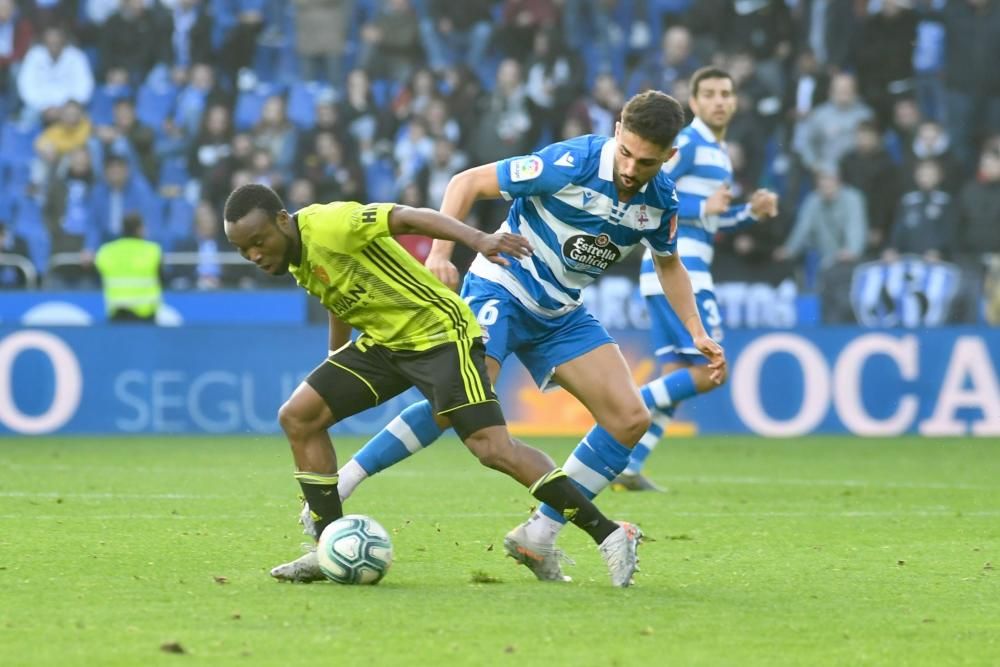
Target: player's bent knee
492	451
298	420
630	424
640	421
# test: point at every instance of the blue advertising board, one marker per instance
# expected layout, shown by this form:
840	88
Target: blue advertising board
222	379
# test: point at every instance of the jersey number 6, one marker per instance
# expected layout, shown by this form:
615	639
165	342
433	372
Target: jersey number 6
488	314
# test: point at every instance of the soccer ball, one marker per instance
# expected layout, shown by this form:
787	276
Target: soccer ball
354	549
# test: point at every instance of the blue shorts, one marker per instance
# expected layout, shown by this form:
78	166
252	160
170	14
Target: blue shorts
540	343
671	341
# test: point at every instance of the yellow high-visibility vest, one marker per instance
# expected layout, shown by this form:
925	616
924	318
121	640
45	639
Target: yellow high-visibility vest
130	275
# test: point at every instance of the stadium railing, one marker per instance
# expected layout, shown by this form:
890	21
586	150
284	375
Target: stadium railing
23	265
66	260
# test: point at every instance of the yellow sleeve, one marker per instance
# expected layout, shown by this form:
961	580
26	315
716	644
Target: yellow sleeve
347	227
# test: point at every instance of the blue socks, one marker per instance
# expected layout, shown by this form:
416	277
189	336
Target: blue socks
407	434
669	390
661	397
597	460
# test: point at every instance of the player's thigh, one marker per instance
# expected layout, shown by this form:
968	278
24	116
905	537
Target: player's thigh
355	379
602	381
454	379
557	341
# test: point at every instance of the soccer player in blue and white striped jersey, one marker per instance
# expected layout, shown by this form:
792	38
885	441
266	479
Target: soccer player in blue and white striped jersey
702	172
584	204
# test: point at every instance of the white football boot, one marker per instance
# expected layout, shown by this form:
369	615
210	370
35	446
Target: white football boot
542	559
303	570
620	552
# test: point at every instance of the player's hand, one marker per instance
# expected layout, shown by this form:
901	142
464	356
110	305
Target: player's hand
716	357
492	245
718	202
763	204
443	270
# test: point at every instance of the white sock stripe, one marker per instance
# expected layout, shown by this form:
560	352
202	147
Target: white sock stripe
585	476
650	439
661	419
658	388
402	432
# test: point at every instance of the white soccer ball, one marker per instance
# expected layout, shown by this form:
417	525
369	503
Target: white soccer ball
355	549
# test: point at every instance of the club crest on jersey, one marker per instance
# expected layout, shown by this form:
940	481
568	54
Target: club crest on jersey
590	254
525	168
643	217
321	275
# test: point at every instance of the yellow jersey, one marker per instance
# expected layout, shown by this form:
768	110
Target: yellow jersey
351	263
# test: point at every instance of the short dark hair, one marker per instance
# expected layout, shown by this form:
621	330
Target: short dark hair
709	72
250	196
132	225
654	116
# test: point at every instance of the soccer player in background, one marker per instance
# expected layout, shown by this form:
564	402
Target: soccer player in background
414	331
702	172
583	204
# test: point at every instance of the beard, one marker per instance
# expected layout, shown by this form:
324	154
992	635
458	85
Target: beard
627	189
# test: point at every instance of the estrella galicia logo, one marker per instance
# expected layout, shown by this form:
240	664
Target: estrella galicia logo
590	254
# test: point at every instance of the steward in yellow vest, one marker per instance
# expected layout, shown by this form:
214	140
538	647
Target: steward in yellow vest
130	274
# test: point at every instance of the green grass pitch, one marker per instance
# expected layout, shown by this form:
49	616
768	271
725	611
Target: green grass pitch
814	551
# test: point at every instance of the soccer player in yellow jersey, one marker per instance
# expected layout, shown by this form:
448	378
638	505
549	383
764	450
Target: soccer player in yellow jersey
414	331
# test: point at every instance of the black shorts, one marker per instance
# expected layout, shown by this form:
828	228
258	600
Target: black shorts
452	376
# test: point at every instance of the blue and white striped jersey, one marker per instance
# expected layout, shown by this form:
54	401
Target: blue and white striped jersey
700	167
566	204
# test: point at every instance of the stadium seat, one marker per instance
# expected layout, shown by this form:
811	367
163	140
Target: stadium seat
17	142
249	104
174	171
153	212
178	222
384	91
102	104
224	14
380	179
29	225
155	101
302	98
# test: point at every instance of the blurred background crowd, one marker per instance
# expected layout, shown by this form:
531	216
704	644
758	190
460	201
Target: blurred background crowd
876	121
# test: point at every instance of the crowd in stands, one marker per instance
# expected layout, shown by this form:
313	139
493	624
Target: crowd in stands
877	121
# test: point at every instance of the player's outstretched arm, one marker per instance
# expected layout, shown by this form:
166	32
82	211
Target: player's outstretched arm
428	222
463	190
677	288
